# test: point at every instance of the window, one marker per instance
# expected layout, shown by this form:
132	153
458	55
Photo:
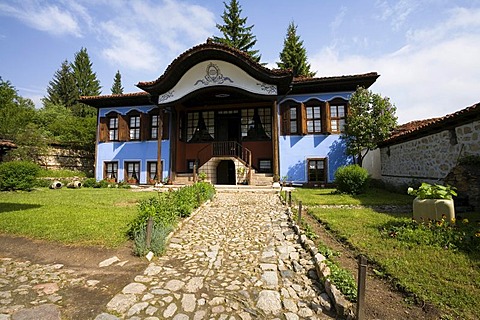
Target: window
337	117
314	119
265	166
190	165
200	126
293	120
291	115
256	124
113	129
317	170
134	126
152	172
154	126
111	171
132	172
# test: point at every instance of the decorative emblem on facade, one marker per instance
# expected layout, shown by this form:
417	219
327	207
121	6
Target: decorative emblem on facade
213	76
269	88
165	96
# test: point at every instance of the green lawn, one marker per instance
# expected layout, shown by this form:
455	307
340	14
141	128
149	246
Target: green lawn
70	216
450	279
373	197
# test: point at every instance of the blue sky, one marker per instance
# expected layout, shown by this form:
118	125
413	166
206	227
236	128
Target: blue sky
426	51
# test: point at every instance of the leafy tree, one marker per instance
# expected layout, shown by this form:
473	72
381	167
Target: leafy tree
86	82
61	89
15	112
370	120
235	32
117	84
294	55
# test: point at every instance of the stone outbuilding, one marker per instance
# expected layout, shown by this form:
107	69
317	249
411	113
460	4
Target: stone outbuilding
428	150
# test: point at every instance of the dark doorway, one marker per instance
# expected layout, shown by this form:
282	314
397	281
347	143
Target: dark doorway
226	172
228	128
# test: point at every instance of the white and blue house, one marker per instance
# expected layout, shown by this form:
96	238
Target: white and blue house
216	110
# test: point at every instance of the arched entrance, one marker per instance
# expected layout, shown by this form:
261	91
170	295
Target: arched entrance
226	172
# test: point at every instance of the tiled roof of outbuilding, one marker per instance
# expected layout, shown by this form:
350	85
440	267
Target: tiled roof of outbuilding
419	128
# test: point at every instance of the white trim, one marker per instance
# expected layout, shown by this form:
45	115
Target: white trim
216	73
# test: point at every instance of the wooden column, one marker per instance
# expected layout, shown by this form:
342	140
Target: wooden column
275	164
159	145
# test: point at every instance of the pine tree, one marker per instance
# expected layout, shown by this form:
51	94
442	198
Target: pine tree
86	82
235	33
61	90
294	55
117	84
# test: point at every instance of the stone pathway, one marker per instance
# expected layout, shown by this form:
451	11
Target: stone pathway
33	291
237	258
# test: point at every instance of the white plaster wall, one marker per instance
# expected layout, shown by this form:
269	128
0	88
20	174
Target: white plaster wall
372	164
429	158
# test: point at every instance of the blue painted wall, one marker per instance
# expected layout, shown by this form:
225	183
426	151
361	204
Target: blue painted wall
141	151
294	150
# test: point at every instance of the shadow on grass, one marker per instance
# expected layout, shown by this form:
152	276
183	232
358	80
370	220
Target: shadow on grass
9	207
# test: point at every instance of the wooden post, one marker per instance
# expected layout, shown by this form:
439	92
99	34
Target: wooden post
249	168
299	215
362	277
159	145
275	143
149	231
194	173
289	198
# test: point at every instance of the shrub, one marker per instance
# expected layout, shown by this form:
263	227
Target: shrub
18	175
89	183
351	179
165	209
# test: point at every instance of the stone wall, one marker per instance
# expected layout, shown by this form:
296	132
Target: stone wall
58	157
429	158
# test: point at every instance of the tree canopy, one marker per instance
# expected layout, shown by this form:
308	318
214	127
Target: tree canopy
370	120
294	54
62	89
235	32
117	84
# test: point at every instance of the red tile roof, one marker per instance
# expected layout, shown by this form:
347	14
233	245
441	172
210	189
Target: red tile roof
419	128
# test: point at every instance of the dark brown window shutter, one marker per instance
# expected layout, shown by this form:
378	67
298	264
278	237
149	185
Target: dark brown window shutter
144	126
103	130
165	126
123	132
303	119
326	125
285	120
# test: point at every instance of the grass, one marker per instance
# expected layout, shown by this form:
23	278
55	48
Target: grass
373	197
450	279
84	216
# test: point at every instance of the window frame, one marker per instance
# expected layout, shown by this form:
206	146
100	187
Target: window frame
337	119
114	170
115	129
260	170
286	114
136	127
325	170
129	178
153	180
316	117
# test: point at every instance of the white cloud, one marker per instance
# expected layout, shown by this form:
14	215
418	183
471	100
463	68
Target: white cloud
397	13
43	17
424	79
157	34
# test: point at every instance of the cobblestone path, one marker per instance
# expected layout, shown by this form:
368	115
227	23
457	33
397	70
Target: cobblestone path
237	258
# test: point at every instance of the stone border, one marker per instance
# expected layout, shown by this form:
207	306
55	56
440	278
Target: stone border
343	307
